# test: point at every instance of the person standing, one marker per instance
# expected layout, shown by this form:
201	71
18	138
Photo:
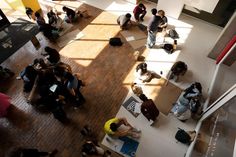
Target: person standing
152	28
139	12
164	22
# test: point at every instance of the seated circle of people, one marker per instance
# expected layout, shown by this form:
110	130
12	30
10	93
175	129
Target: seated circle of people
139	12
119	127
143	74
124	21
90	148
188	105
148	108
152	28
179	68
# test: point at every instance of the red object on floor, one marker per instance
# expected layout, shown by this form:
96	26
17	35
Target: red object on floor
226	49
4	104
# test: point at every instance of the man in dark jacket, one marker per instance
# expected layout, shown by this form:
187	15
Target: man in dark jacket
152	28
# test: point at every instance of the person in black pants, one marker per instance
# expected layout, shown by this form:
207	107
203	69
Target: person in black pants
25	152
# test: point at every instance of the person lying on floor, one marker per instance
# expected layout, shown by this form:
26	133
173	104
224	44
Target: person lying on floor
124	21
113	128
144	75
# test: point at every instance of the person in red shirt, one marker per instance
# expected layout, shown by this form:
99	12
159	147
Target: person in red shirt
139	12
4	104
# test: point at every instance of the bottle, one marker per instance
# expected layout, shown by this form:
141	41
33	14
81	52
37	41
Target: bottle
175	45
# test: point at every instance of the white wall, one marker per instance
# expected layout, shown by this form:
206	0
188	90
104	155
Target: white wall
206	5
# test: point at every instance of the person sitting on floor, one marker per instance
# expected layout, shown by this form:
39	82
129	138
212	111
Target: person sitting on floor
124	21
179	68
73	85
29	12
39	19
4	105
49	32
139	12
144	75
52	55
26	152
28	75
164	22
54	20
92	148
113	128
181	109
71	15
148	108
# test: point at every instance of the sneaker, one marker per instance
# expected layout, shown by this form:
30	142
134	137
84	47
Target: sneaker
136	130
53	153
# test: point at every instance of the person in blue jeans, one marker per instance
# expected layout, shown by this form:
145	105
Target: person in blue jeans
152	28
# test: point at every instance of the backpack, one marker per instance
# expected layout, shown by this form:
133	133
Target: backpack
182	136
173	34
115	42
168	48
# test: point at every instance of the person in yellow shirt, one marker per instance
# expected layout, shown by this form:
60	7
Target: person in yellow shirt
112	128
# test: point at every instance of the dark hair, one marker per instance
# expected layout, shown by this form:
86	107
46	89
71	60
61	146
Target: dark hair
113	126
154	11
141	5
141	66
69	76
198	86
143	97
128	15
64	8
49	50
37	14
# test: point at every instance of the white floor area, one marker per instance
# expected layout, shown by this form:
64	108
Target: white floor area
196	39
157	140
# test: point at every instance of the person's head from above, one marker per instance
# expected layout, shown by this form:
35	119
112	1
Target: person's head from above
141	5
37	14
198	86
144	66
161	13
154	11
69	76
64	8
128	15
113	127
49	50
143	97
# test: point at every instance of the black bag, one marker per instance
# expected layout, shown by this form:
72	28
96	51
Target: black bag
173	34
115	42
168	48
182	136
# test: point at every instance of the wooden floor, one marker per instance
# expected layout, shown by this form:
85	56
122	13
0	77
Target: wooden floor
103	71
106	70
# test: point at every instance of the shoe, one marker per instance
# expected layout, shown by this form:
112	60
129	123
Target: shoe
136	130
53	153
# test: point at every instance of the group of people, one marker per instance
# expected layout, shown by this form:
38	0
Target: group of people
52	28
54	83
158	22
